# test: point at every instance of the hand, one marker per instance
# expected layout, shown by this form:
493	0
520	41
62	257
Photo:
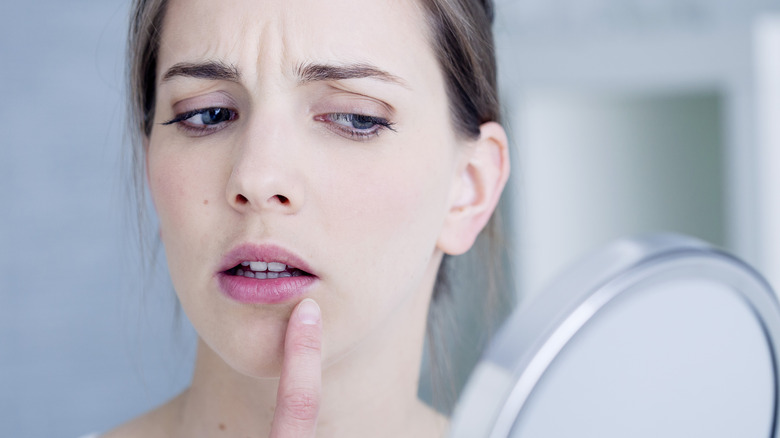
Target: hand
298	397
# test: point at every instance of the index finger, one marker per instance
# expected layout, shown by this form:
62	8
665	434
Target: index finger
298	396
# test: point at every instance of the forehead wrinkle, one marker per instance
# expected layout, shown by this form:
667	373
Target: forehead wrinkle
265	45
286	46
184	28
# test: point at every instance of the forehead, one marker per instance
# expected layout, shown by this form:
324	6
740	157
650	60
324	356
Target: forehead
260	35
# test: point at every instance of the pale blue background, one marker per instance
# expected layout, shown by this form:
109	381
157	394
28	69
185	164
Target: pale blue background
81	348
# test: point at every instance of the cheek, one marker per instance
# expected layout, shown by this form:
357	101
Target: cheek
169	189
382	223
409	196
391	208
400	202
181	189
180	181
166	188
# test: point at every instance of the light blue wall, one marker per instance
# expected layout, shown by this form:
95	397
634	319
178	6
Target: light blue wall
80	348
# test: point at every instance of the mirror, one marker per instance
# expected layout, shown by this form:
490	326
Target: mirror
657	336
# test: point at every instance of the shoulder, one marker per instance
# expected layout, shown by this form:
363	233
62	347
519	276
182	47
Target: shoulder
159	422
431	423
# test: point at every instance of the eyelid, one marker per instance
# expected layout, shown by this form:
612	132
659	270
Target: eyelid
183	117
186	107
342	90
217	99
354	134
200	130
333	99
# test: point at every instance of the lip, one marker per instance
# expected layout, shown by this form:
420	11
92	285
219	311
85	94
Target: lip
268	291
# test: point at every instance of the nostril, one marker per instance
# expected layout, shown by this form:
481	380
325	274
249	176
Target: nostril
243	200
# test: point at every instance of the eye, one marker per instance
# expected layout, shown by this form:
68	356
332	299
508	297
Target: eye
204	121
357	126
355	121
211	116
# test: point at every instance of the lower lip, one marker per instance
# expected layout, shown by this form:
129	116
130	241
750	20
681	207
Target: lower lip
268	291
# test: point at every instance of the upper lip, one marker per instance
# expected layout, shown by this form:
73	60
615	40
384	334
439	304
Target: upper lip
262	253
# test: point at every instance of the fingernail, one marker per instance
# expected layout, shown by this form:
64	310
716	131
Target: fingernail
309	312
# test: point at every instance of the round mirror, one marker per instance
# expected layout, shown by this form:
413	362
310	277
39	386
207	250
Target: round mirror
660	336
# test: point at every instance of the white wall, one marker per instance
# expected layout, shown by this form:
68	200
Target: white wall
596	167
767	40
609	80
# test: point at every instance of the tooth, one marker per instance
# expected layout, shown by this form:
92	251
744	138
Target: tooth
273	275
244	263
261	275
276	267
249	274
296	273
284	274
240	272
258	266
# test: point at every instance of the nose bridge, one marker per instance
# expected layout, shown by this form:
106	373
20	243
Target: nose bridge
265	174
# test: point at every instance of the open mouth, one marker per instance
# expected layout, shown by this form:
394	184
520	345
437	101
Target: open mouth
265	270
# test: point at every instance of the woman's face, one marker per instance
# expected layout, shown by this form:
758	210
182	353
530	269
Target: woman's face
308	133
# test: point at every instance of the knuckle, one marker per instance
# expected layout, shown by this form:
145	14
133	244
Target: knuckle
307	344
301	406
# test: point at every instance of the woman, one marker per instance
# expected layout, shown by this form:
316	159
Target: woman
311	163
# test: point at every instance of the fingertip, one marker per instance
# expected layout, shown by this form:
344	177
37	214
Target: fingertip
308	312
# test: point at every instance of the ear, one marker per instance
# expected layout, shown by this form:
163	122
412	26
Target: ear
483	173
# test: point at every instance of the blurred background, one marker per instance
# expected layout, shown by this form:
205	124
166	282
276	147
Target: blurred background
626	116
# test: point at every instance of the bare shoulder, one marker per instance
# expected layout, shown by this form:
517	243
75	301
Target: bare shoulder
432	422
157	423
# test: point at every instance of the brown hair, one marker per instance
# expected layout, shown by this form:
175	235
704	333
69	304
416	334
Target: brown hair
460	32
462	38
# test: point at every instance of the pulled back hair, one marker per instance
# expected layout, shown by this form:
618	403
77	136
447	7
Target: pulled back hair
460	32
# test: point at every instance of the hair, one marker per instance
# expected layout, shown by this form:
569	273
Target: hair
460	32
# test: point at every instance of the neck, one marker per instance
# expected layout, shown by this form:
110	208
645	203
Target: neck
371	391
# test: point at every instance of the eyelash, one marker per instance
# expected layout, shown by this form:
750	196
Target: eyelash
332	119
359	134
205	129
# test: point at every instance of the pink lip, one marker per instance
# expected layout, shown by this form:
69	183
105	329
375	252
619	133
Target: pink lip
268	291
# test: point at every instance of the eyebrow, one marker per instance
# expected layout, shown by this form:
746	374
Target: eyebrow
212	70
326	72
309	72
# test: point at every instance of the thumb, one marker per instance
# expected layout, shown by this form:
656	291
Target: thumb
298	396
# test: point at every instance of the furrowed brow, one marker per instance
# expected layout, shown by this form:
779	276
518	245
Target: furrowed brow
325	72
212	70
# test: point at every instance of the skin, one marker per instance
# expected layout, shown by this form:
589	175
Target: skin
371	215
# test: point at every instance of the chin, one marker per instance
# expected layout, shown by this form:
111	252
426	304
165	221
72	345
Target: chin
257	366
256	353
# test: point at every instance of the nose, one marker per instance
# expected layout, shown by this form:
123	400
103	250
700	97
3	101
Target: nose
266	175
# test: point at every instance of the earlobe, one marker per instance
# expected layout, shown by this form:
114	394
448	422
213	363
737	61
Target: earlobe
483	176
